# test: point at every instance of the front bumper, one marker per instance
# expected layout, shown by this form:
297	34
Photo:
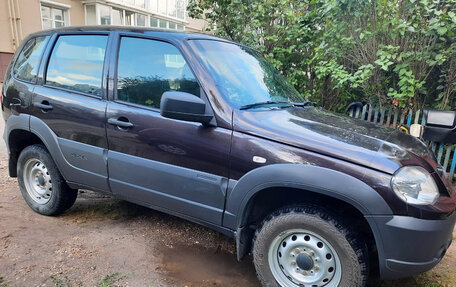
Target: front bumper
408	246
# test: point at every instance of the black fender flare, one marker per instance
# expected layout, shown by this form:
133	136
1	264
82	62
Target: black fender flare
299	176
15	122
60	150
37	127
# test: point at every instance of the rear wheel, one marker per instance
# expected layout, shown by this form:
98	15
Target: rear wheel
308	247
42	186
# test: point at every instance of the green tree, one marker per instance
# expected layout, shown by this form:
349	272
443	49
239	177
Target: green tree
338	51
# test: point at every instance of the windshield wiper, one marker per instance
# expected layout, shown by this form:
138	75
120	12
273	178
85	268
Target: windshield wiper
305	104
249	106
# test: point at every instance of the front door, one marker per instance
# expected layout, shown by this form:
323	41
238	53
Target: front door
176	166
71	103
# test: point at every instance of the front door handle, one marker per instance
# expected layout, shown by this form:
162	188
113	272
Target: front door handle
44	106
121	122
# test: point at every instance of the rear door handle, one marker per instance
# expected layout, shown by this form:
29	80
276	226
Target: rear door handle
121	122
44	105
15	102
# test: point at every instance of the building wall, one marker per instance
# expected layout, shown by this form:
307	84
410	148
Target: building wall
77	16
19	18
196	25
5	31
28	20
5	58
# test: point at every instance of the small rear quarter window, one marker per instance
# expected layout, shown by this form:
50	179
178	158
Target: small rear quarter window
26	65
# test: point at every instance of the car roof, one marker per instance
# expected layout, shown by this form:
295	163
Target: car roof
178	35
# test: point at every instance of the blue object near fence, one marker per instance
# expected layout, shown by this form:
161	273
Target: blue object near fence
393	117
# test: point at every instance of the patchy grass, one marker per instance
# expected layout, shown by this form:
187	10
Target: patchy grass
65	282
109	280
3	282
91	206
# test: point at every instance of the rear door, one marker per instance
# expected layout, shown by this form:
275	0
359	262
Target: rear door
177	166
22	76
70	100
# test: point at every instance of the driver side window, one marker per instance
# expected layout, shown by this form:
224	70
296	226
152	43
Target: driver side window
148	68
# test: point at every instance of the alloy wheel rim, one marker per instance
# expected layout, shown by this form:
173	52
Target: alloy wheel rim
303	258
37	181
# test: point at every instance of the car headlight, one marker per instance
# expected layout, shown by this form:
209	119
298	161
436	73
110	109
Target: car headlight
413	184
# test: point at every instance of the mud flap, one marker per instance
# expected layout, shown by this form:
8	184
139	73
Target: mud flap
243	243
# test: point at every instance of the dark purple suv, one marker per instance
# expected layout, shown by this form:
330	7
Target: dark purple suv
207	130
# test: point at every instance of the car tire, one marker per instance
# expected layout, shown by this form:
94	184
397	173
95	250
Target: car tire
307	246
41	184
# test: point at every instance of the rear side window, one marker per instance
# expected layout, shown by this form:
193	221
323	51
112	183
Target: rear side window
26	66
148	68
76	63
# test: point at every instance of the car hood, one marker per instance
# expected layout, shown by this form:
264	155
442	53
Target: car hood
338	136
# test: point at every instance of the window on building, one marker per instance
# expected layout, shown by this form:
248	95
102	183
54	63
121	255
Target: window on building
161	7
153	5
52	17
91	15
109	15
148	68
180	9
26	66
136	3
140	20
76	63
117	16
129	18
153	22
172	8
105	15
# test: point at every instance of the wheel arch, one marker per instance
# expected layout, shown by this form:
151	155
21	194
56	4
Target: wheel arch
24	130
18	140
310	183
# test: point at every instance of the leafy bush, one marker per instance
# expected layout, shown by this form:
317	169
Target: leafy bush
339	51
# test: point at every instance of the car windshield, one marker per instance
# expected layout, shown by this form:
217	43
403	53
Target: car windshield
244	77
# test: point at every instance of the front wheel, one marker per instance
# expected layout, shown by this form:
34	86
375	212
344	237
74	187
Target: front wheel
42	186
308	247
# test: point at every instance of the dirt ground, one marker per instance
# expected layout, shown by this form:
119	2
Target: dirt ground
103	241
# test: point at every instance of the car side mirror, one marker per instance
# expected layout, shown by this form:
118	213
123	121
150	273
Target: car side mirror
184	106
440	126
